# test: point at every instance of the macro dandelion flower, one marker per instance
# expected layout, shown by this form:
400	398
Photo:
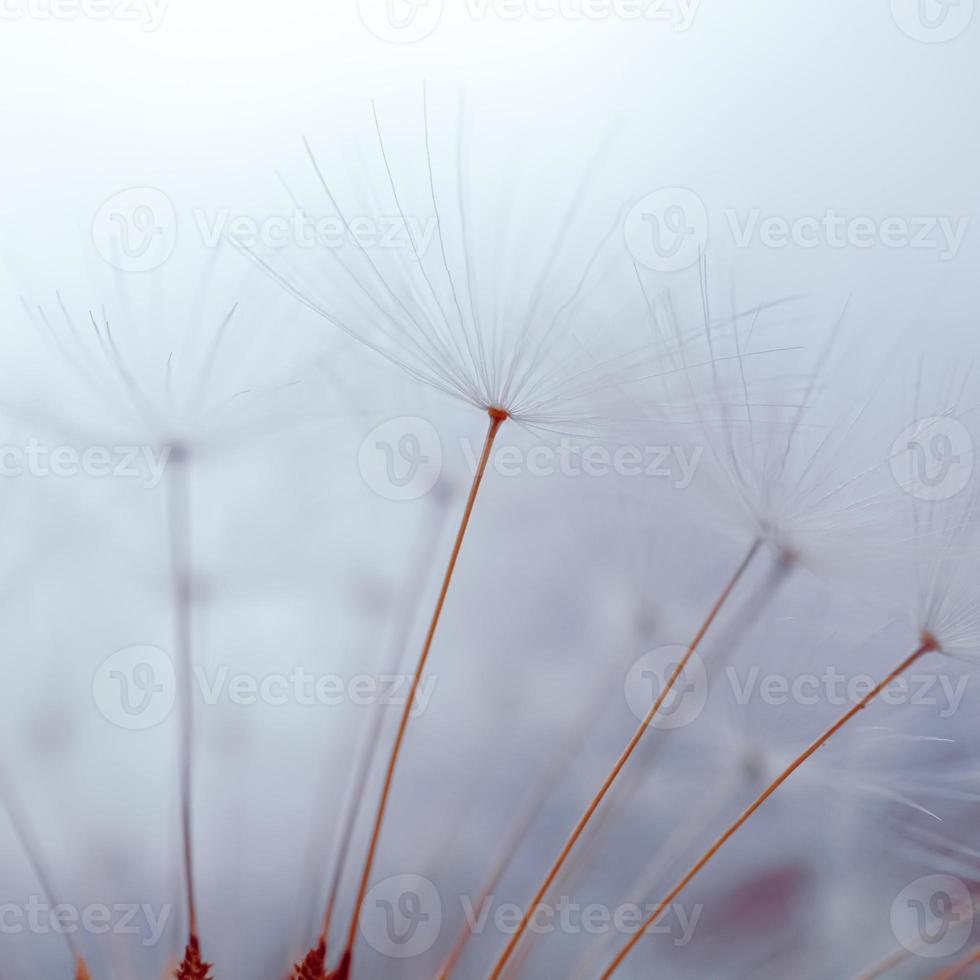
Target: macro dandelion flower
174	412
693	363
792	454
514	343
947	618
800	480
878	779
439	302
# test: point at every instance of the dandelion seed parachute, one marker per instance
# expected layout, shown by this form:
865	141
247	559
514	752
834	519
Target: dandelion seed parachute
793	456
518	350
438	301
692	365
176	411
176	391
949	626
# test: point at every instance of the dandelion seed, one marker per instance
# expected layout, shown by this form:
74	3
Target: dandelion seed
950	624
180	424
401	627
787	453
678	368
433	314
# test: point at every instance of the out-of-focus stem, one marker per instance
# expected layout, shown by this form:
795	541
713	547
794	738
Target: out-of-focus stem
529	813
179	526
681	838
359	777
23	828
620	763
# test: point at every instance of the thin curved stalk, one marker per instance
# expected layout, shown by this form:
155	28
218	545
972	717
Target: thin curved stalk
358	784
544	788
32	850
179	528
497	418
685	834
620	763
928	644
